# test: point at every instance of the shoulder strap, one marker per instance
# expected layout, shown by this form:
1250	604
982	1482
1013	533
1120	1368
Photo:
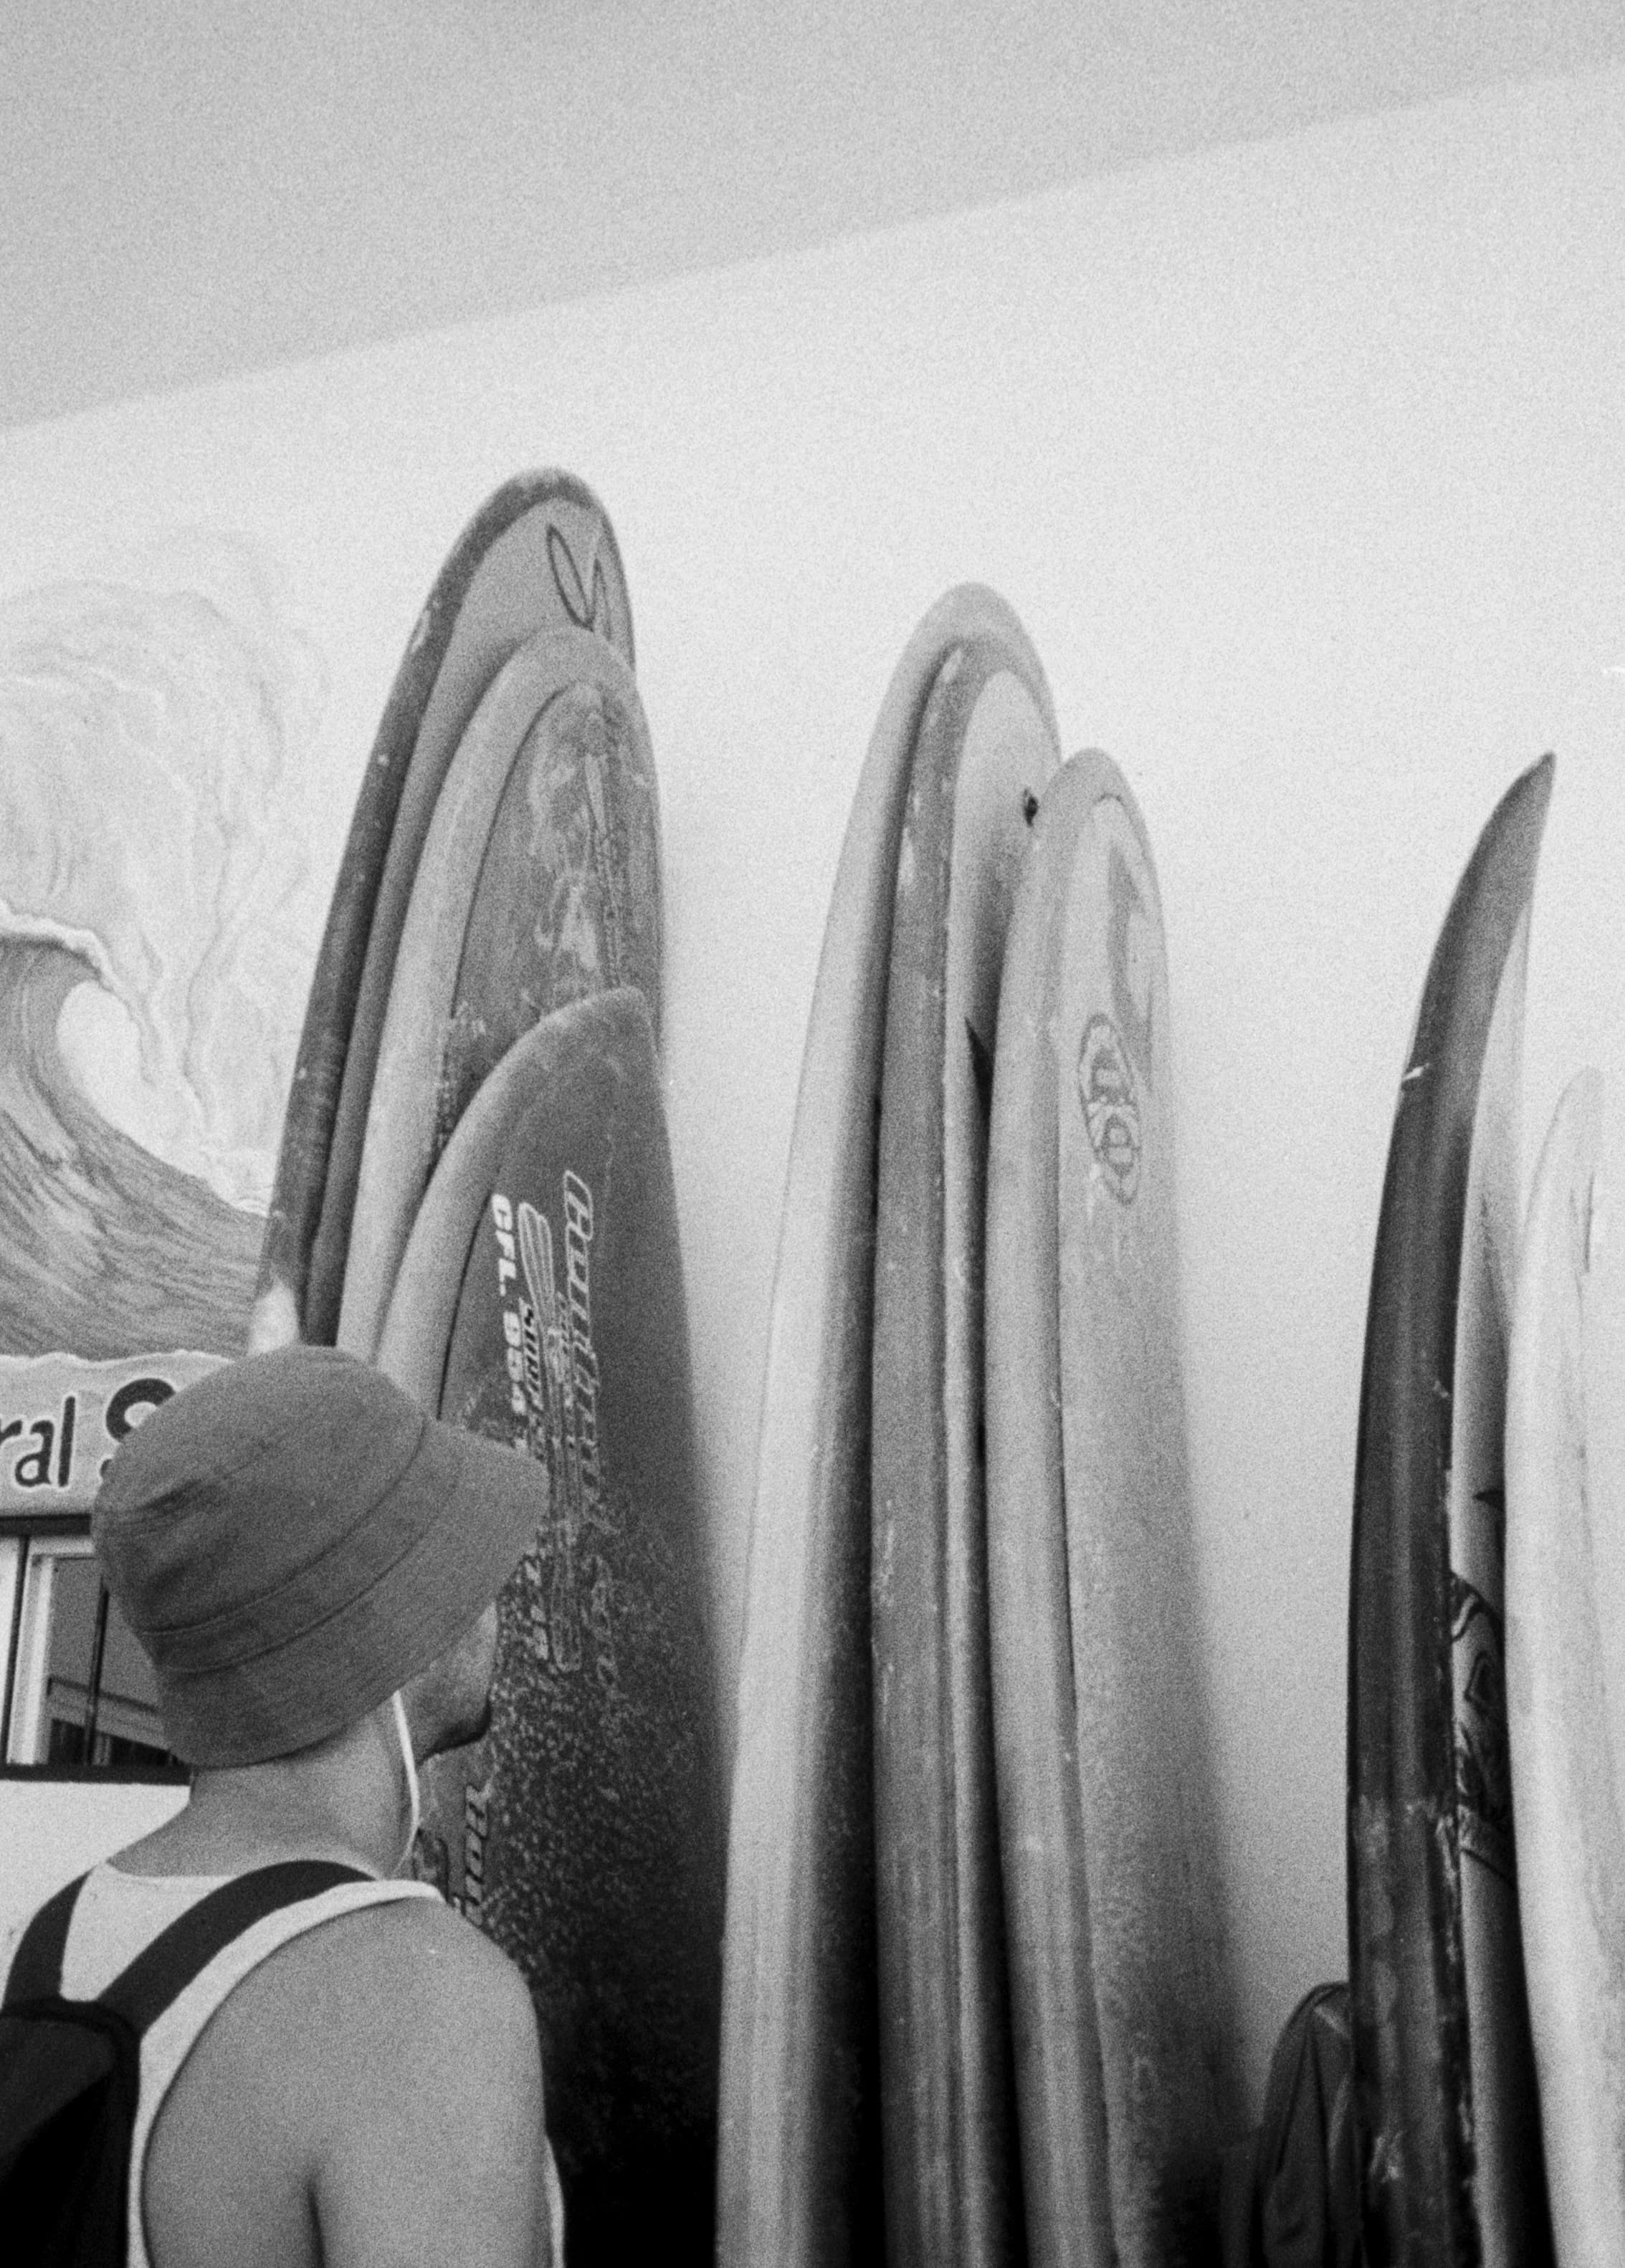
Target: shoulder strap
36	1965
162	1971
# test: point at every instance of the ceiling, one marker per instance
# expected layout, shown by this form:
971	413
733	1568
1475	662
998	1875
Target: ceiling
194	188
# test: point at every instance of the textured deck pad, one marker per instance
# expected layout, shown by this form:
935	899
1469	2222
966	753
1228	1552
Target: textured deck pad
1571	1847
539	554
1144	1755
585	1833
538	884
984	753
799	2171
1444	2069
1057	2043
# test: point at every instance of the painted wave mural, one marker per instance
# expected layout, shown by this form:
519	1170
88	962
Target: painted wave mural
157	933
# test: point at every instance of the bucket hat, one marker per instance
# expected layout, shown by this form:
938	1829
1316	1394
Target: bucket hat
291	1539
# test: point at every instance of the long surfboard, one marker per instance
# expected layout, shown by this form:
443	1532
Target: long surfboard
1570	1841
538	884
1445	2071
1059	2094
799	2160
1145	1764
586	1835
984	752
539	554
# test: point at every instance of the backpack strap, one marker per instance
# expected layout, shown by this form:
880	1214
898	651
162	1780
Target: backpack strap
162	1971
36	1965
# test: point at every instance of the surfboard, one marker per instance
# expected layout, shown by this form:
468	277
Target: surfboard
538	884
1444	2074
585	1833
1565	1799
1145	1764
416	1338
799	2159
1059	2094
983	751
539	554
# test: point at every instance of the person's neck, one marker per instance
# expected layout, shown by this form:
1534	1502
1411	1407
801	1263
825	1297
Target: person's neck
343	1800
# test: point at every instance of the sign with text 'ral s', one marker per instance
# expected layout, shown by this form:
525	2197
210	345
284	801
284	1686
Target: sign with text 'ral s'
61	1419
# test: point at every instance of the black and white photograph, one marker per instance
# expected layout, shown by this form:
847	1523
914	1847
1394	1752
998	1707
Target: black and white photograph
812	1075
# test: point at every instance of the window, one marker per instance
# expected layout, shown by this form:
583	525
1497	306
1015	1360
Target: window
78	1693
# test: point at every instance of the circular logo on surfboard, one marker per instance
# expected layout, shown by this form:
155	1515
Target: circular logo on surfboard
1111	1105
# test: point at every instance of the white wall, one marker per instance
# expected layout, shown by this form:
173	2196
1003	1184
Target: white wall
1302	464
54	1829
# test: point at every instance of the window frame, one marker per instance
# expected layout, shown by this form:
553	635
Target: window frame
31	1547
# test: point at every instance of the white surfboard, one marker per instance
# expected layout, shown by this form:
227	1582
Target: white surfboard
1060	2093
1571	1844
1144	1752
1507	2182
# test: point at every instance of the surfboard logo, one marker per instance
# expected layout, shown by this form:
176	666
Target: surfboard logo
553	1374
1111	1107
586	602
1483	1764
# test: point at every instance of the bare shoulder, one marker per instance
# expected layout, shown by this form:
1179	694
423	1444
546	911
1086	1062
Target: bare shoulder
417	1964
410	1994
441	2125
387	2064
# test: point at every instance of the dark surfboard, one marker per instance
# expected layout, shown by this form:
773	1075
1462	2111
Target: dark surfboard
585	1833
1445	2092
539	554
985	749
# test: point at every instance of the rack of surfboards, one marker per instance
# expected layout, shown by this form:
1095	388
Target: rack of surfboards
975	1995
475	1191
966	2002
976	2003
